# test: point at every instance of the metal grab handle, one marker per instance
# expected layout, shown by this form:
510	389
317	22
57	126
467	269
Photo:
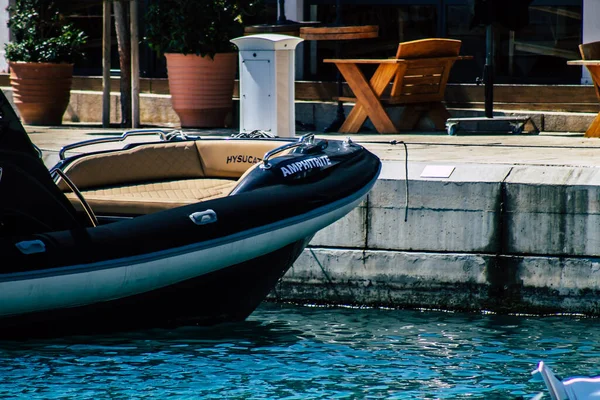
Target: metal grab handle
303	140
39	151
86	207
164	136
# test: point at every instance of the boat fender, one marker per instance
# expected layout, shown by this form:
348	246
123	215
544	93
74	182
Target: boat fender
204	217
31	246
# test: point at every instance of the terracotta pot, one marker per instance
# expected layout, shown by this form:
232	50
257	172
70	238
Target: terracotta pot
201	88
41	91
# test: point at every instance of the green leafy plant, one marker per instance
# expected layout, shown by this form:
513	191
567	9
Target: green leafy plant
196	27
42	34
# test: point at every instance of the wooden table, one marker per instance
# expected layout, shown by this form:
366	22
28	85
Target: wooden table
349	32
594	67
369	93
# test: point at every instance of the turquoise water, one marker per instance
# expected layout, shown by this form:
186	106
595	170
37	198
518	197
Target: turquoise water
300	352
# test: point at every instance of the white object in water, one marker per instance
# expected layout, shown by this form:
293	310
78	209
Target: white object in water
575	388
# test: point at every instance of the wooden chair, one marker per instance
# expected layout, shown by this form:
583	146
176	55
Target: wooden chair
591	51
418	76
420	88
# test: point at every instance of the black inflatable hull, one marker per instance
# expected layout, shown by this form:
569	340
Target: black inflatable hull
227	295
204	263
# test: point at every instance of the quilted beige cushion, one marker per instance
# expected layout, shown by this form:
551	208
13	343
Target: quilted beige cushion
144	163
160	176
151	197
230	159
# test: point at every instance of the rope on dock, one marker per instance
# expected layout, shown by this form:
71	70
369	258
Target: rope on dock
326	274
394	142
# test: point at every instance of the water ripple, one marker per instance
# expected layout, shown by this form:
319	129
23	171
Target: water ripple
290	352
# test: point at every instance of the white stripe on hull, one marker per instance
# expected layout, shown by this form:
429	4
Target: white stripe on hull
143	274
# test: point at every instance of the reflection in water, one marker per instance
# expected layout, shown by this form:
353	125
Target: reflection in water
290	352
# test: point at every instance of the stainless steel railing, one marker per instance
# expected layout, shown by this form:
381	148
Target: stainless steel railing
165	135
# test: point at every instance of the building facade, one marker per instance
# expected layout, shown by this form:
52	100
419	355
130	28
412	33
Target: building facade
533	53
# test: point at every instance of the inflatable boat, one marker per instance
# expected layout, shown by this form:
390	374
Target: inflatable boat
177	230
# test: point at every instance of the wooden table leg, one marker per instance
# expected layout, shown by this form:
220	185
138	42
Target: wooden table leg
367	98
594	129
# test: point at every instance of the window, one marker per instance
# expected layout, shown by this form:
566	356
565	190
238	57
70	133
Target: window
536	53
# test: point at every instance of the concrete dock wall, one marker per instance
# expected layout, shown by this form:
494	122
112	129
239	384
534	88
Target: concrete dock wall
502	238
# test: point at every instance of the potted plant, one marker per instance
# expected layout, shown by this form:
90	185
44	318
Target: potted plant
40	57
194	36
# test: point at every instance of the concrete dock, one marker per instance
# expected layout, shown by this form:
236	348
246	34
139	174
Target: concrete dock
503	222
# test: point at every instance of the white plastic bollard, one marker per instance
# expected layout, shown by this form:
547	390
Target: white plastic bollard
267	78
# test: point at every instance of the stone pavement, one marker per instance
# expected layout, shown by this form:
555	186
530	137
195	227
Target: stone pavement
546	148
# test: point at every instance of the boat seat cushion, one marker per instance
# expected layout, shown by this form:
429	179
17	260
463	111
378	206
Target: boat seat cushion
230	160
167	161
158	176
141	164
145	198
